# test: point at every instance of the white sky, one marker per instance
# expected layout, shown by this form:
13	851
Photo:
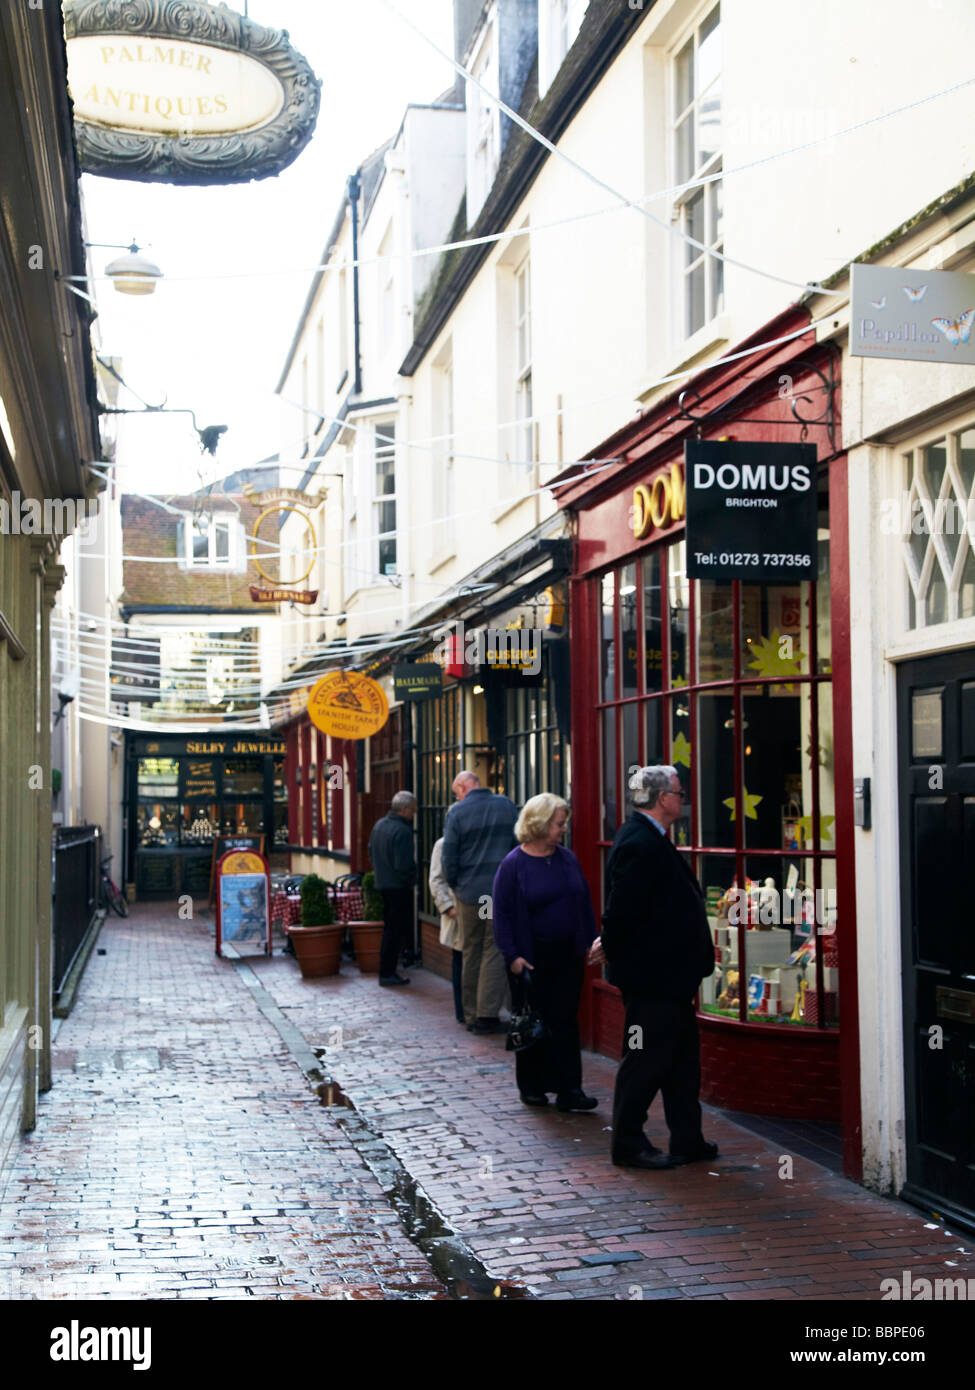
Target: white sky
217	344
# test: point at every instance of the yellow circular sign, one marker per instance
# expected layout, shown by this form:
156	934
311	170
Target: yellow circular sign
347	704
255	537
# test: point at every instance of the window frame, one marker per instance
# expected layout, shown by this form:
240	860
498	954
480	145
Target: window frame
709	197
381	451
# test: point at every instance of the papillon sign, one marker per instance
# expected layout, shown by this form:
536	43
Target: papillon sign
914	315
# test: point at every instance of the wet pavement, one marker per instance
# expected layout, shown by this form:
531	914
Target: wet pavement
185	1152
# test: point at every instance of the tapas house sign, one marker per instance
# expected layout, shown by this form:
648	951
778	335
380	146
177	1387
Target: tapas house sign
179	91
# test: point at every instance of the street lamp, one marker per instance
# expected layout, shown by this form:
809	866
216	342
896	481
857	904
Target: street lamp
132	273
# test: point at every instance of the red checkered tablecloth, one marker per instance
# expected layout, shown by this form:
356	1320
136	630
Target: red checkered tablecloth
348	905
286	909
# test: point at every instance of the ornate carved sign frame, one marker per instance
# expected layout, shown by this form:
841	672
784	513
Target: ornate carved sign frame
126	132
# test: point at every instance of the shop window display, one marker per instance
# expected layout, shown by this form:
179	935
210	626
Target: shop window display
741	704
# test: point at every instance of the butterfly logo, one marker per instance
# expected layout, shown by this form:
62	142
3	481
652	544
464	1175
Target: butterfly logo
879	303
915	296
956	330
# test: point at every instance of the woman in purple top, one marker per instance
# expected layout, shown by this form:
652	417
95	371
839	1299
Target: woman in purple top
544	923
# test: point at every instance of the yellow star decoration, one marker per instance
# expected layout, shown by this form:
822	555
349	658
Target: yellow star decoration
681	750
677	682
769	660
804	827
750	803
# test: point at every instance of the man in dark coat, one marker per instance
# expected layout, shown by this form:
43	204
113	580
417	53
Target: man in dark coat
394	864
657	943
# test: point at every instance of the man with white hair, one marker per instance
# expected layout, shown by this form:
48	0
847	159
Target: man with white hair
657	943
478	833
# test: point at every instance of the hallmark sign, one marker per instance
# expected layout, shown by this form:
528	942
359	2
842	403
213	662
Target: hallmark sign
751	511
184	93
915	315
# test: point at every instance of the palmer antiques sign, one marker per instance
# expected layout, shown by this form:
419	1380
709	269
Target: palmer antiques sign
278	502
179	91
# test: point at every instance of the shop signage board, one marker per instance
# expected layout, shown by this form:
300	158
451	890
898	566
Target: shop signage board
223	844
199	779
913	315
347	704
417	680
751	511
243	901
187	93
283	595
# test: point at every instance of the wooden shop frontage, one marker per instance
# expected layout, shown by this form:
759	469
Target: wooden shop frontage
743	685
186	796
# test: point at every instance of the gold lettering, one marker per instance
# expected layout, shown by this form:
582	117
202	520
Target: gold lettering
112	96
203	65
678	493
163	55
159	110
107	54
641	511
189	105
220	103
185	59
203	106
660	501
124	55
92	95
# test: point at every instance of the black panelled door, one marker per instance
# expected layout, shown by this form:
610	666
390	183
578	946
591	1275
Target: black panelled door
936	755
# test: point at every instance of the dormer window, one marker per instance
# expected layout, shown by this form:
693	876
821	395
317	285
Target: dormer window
483	120
559	21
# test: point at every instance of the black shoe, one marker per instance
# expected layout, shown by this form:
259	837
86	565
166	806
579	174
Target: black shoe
486	1025
699	1154
636	1157
393	980
533	1100
575	1100
647	1157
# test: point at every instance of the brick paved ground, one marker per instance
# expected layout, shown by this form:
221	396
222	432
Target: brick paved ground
181	1154
532	1191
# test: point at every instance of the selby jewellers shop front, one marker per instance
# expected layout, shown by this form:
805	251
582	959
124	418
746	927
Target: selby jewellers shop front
744	687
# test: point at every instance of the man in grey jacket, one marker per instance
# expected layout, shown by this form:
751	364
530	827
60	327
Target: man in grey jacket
478	833
394	864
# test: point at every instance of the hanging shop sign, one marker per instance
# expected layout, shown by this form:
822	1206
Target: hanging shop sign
751	511
243	901
915	315
347	704
263	548
283	595
417	680
185	92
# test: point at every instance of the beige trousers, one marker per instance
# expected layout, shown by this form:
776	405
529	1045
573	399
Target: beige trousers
485	980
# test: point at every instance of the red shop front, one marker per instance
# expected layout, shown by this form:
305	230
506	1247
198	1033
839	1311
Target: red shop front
745	689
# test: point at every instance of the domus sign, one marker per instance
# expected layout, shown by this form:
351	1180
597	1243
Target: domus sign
180	91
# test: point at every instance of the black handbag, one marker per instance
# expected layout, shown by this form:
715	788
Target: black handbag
525	1027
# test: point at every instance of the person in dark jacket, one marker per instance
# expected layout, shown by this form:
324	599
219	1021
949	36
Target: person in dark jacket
543	927
657	943
477	835
394	864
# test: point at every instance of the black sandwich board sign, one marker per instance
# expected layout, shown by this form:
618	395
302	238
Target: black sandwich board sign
751	511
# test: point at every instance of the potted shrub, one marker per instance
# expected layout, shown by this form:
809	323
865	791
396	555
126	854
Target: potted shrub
318	941
367	935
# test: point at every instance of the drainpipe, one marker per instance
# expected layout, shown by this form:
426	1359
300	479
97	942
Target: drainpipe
353	195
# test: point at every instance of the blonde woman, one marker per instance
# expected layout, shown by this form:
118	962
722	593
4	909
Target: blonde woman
544	924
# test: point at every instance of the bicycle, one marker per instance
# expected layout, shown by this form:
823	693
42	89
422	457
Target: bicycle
110	895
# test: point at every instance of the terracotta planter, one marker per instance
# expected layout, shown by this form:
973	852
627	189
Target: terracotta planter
366	940
319	949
